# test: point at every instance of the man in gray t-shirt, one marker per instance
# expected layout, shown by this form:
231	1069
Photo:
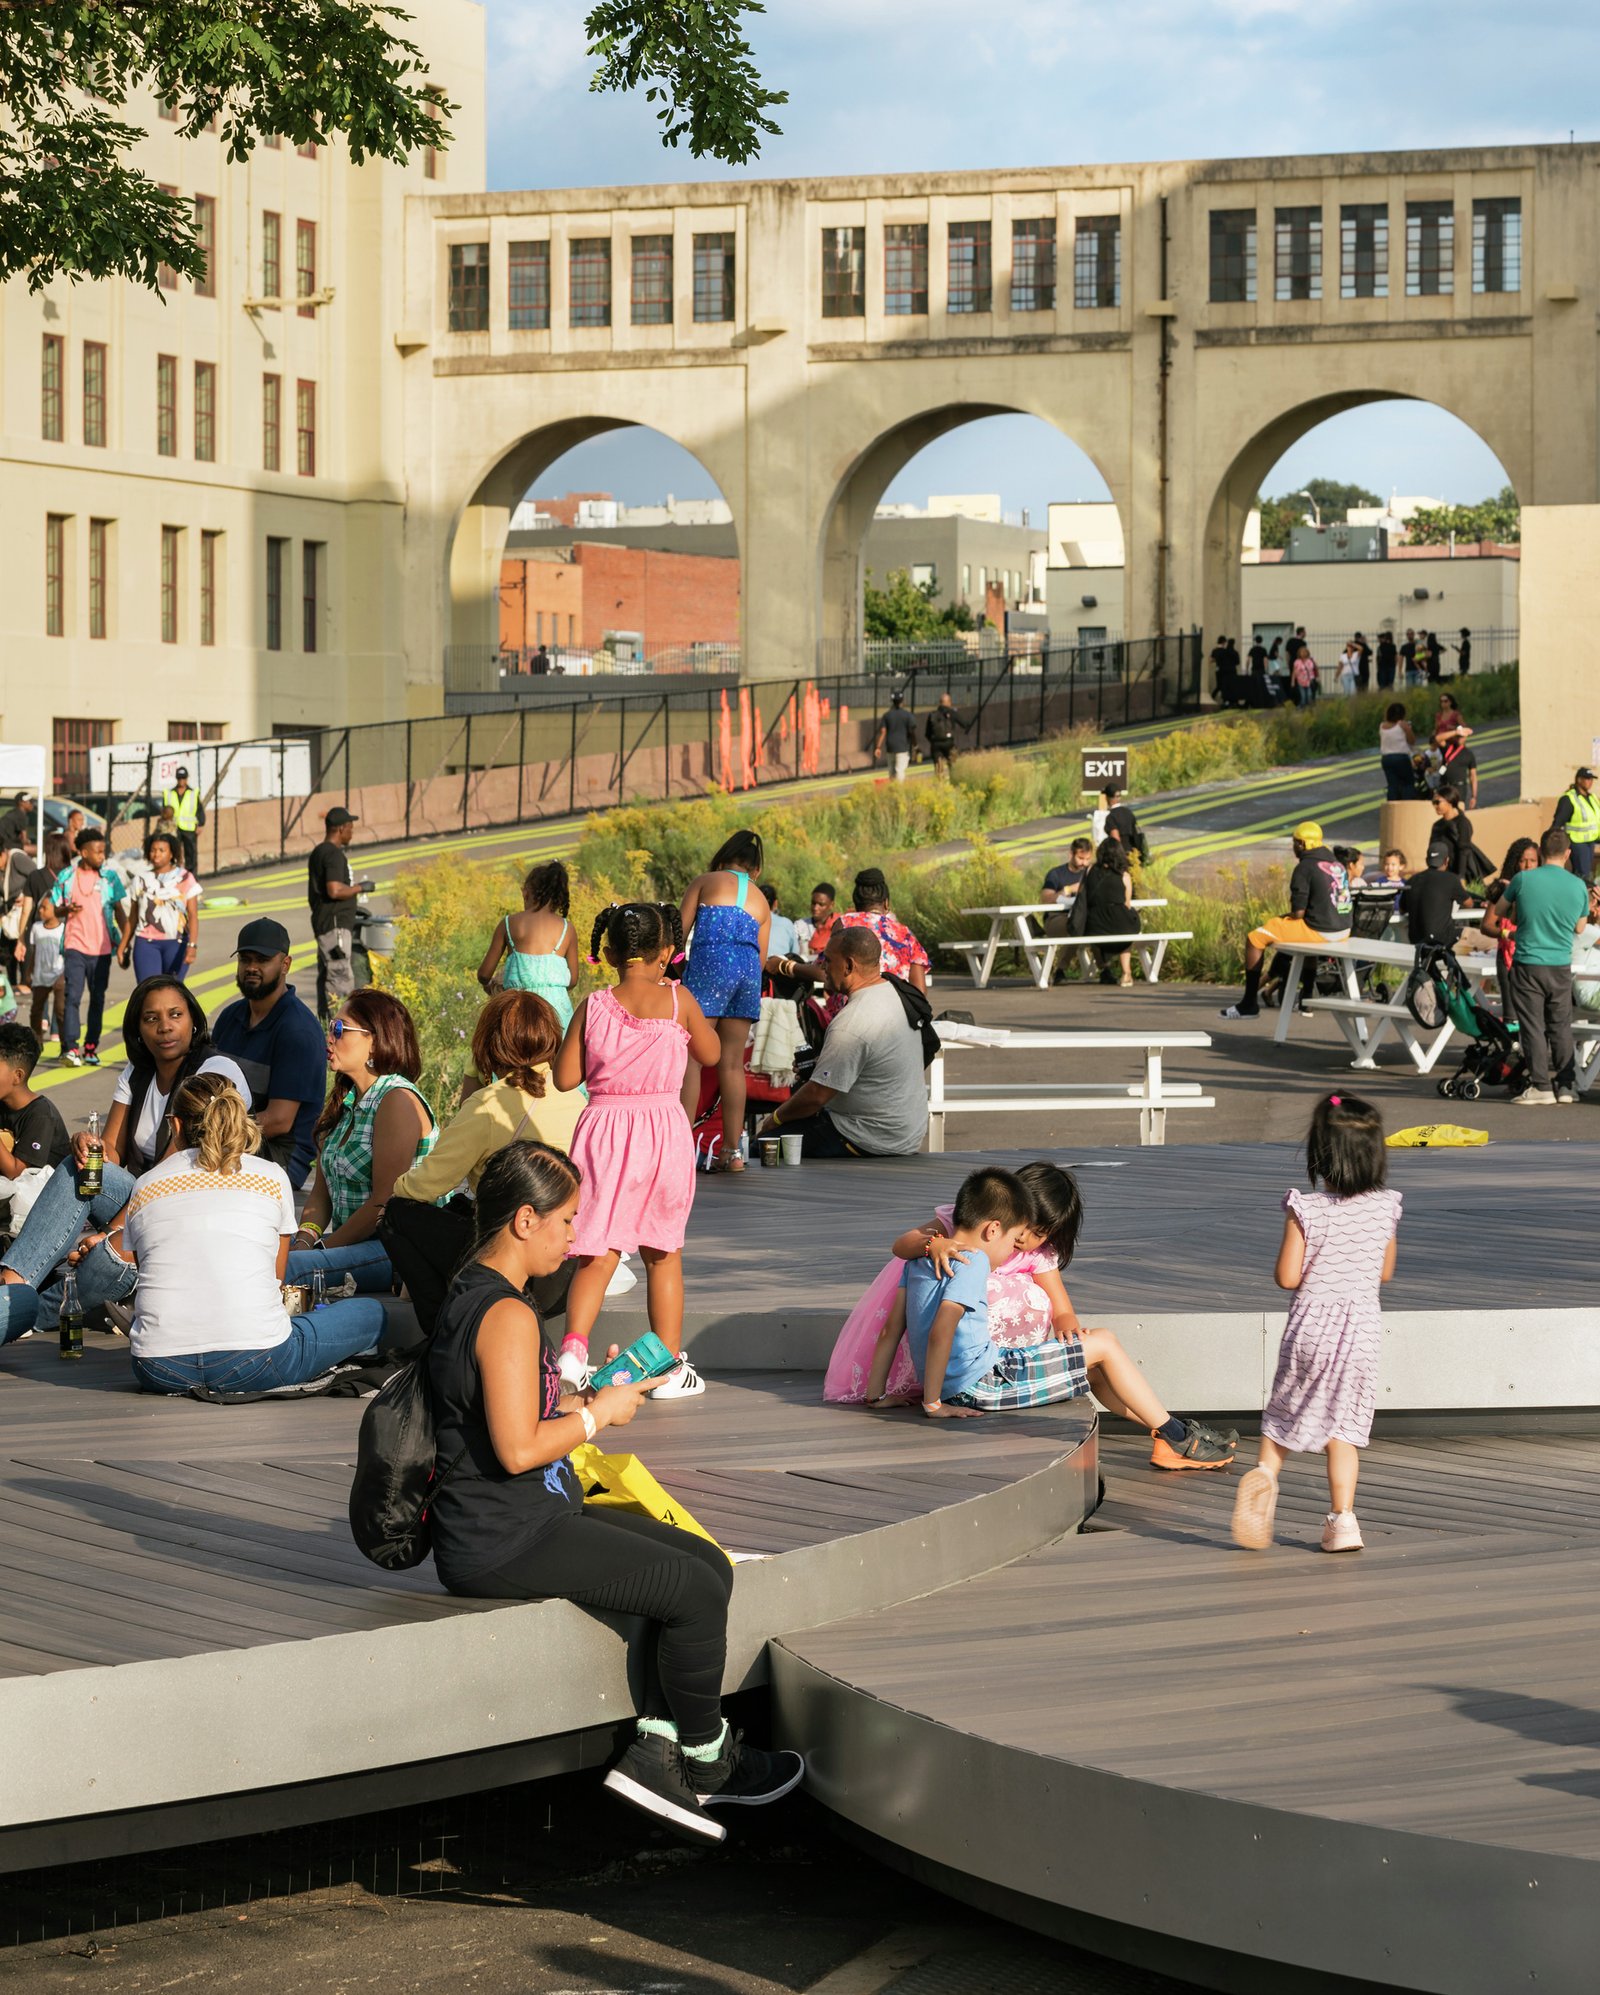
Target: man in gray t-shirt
868	1093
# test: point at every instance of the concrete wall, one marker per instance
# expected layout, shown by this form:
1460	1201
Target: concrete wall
1560	615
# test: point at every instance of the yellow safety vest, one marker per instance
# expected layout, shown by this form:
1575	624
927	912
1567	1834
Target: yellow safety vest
1583	828
183	808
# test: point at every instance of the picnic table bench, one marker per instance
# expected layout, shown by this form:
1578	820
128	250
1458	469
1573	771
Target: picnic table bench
1008	929
1150	1096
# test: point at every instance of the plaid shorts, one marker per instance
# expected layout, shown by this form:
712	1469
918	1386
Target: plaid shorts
1038	1375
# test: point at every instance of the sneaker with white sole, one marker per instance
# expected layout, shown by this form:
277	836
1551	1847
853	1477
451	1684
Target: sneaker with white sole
653	1775
1567	1097
1240	1011
120	1317
574	1367
1535	1098
682	1382
1254	1508
1341	1532
743	1776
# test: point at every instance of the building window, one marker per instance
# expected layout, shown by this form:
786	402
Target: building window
1033	265
1297	270
970	285
169	583
277	557
72	740
305	265
311	552
305	428
53	362
271	255
1364	250
168	109
99	574
55	575
589	281
1233	256
652	280
432	155
205	411
94	392
844	273
966	579
205	229
306	151
209	543
1430	249
905	269
166	405
272	422
1097	263
713	278
166	276
1497	244
273	142
528	286
469	287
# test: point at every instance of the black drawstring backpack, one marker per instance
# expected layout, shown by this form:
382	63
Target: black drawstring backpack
397	1471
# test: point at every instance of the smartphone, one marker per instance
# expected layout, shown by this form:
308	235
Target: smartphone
649	1358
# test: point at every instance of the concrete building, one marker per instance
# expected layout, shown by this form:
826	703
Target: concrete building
204	488
638	602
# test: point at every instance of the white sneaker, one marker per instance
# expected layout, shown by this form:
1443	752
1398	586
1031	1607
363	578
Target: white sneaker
1535	1098
683	1383
1567	1097
1341	1532
574	1367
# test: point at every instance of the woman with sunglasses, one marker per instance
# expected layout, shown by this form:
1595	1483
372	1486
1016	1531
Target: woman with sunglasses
373	1128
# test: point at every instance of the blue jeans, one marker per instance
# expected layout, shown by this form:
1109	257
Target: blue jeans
49	1234
314	1344
151	959
92	973
19	1311
1399	777
366	1260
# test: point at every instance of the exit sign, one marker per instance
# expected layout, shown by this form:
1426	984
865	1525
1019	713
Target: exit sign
1102	766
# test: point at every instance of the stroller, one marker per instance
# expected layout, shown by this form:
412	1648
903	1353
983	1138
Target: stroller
1438	993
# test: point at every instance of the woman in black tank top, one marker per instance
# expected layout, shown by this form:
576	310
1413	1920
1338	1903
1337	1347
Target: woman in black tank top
508	1519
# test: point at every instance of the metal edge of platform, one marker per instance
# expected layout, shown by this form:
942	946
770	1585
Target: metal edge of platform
1226	1892
148	1735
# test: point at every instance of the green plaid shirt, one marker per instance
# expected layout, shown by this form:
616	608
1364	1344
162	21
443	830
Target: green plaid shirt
347	1150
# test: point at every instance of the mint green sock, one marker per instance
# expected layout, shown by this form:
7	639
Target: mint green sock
706	1754
656	1728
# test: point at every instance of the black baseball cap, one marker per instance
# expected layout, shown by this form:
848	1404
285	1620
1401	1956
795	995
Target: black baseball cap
263	938
339	815
183	773
1584	775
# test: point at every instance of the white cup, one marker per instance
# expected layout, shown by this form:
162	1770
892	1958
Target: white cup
792	1146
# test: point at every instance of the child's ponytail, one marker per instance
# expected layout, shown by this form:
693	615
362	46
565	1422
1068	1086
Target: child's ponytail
1345	1149
634	930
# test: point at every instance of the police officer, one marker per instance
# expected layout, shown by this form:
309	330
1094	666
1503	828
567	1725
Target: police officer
1578	815
184	807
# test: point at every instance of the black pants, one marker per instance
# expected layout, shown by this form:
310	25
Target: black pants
819	1137
427	1243
621	1564
190	841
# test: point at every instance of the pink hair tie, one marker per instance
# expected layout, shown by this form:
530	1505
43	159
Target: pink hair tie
1335	1100
680	957
594	960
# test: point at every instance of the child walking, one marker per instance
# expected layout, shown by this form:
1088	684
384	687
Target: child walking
1338	1249
633	1143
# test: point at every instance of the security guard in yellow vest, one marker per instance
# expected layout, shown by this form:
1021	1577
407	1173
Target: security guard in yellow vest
184	807
1578	815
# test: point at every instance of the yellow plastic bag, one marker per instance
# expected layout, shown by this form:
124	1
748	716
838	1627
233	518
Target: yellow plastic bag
622	1482
1438	1136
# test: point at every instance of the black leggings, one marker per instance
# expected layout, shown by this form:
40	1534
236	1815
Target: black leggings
427	1243
623	1564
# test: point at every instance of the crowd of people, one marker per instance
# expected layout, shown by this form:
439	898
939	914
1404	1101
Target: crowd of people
1284	670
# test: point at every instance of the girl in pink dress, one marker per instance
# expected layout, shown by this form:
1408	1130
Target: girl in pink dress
630	1046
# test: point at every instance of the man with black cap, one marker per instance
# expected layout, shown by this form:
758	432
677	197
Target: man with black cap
332	892
1578	815
277	1045
897	731
184	807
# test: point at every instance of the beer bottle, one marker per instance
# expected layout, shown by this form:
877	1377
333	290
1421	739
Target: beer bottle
91	1172
71	1317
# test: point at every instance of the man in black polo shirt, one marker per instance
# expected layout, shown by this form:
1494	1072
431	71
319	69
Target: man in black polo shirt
897	731
1430	900
277	1045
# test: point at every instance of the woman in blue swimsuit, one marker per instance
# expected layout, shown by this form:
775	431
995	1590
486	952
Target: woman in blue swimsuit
726	952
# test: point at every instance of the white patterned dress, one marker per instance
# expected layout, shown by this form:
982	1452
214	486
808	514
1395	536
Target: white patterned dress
1327	1374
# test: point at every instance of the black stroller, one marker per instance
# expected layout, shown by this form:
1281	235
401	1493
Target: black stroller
1438	993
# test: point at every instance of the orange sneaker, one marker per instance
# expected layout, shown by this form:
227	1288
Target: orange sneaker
1201	1448
1254	1509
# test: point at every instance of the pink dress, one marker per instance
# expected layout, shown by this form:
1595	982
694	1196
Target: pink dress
1019	1315
632	1142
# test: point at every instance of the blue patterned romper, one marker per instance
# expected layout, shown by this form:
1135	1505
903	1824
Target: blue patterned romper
724	972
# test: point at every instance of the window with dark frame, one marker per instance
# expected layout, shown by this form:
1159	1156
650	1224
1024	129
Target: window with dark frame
1233	256
166	405
311	552
1097	263
1297	254
55	574
432	155
305	265
589	281
1364	250
468	307
272	422
305	428
71	741
209	543
277	556
970	280
271	254
166	276
905	270
651	290
94	393
1430	249
52	372
99	575
528	286
205	411
306	151
169	584
844	273
205	229
167	110
713	278
1497	244
1033	264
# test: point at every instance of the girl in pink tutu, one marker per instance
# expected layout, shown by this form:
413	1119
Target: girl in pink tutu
629	1047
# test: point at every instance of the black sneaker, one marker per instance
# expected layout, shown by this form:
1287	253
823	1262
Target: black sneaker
743	1775
1228	1436
1197	1450
653	1775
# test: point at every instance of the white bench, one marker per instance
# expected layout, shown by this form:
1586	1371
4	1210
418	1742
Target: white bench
1009	929
1354	1017
1150	948
1150	1097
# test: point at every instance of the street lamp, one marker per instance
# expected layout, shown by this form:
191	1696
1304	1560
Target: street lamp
1316	510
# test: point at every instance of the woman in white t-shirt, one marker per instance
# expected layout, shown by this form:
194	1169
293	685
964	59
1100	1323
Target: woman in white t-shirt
166	918
208	1231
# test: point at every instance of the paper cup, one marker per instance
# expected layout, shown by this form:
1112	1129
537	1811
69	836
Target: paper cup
792	1146
771	1153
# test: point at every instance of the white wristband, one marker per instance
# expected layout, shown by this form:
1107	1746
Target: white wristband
590	1425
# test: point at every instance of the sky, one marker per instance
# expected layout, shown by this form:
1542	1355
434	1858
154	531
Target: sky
933	85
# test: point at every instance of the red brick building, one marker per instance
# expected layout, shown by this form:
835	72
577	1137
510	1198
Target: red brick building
574	598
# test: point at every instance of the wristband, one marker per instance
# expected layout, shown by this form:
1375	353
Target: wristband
591	1426
308	1226
932	1405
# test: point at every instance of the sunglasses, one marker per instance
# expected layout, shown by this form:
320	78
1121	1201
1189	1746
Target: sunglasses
341	1026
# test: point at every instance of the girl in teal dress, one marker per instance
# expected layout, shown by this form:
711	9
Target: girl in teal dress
537	948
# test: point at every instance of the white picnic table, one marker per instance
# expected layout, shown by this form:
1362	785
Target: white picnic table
1149	1097
1008	929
